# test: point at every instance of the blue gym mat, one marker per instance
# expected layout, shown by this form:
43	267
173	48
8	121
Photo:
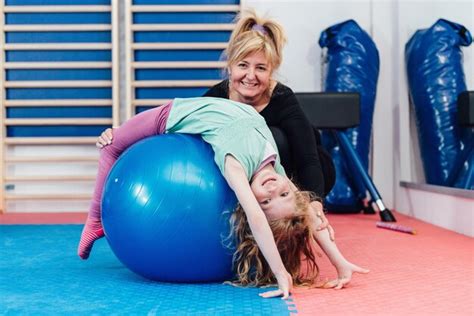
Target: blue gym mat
40	274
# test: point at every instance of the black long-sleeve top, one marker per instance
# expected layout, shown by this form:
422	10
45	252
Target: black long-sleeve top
283	111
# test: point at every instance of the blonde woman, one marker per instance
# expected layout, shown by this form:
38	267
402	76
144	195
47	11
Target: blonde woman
254	54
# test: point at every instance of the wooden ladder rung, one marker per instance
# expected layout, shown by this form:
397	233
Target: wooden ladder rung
55	8
58	46
50	140
45	196
185	8
57	65
150	102
56	27
179	64
58	102
183	27
49	178
182	46
174	83
57	121
58	84
50	159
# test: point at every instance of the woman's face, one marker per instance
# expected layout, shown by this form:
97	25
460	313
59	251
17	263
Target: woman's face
249	79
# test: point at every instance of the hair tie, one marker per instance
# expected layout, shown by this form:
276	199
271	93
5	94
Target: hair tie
259	28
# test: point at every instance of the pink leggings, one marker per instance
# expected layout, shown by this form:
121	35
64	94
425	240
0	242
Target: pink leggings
143	125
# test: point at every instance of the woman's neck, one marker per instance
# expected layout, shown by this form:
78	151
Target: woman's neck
259	103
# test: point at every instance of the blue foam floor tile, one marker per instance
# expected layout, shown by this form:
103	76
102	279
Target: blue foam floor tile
40	274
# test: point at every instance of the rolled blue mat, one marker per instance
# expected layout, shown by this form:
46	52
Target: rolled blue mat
436	78
352	66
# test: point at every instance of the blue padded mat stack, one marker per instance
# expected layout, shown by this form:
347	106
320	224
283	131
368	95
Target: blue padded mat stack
40	274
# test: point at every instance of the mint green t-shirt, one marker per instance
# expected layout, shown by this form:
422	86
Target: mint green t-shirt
230	127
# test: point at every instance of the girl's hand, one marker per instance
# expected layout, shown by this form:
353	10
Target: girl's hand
105	138
285	285
344	275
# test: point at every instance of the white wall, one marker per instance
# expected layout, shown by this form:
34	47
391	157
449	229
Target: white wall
304	21
391	24
447	211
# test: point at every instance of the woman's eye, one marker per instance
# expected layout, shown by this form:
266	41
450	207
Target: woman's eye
285	194
265	201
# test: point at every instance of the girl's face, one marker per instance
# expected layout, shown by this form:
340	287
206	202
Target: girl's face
273	194
249	79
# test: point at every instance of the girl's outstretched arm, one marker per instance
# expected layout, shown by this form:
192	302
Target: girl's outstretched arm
237	179
344	268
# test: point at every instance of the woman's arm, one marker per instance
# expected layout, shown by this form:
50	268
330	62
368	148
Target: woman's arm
285	113
303	147
317	207
237	179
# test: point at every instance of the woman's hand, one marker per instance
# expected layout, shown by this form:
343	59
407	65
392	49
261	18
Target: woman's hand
285	285
318	208
105	138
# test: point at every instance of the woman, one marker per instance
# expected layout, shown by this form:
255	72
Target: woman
254	53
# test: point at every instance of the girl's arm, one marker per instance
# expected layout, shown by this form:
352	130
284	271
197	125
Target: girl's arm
237	179
344	268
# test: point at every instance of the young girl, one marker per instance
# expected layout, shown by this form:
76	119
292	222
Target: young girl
244	151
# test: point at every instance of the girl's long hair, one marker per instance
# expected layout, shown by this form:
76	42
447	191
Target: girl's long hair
294	240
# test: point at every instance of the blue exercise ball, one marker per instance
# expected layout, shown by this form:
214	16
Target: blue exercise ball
166	209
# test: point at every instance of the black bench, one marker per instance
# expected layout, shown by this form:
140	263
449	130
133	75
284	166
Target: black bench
336	112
